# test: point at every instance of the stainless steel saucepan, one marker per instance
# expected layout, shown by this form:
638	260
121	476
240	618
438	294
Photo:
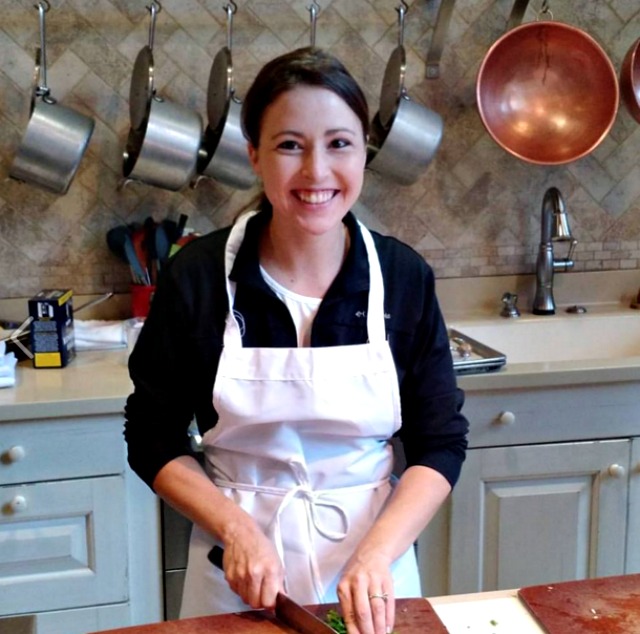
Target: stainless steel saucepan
56	137
164	137
405	135
223	154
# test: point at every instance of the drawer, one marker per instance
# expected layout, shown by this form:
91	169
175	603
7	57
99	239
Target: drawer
569	413
61	449
63	545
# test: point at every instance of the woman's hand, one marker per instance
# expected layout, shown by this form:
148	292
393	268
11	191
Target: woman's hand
252	568
366	594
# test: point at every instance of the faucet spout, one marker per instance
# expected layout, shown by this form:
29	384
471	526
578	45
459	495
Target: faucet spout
554	228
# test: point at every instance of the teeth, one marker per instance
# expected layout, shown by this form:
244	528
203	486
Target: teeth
315	197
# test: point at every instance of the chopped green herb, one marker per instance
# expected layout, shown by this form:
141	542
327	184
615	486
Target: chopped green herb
493	622
336	622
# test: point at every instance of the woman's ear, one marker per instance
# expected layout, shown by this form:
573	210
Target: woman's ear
253	158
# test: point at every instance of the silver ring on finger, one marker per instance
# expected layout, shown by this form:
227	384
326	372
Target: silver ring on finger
379	595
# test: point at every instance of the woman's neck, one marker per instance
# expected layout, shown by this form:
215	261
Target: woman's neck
305	264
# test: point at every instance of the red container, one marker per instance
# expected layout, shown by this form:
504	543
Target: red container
141	296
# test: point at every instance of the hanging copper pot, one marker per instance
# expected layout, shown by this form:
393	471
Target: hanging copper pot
547	92
630	80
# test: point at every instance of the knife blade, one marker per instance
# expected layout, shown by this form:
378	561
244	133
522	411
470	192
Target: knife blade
292	614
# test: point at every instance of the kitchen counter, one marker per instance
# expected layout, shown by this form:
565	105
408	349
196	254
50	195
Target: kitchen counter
95	382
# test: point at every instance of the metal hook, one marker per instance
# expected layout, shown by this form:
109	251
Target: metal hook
154	8
545	10
42	5
402	11
232	6
314	9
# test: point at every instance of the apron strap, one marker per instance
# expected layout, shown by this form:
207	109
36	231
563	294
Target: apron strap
375	310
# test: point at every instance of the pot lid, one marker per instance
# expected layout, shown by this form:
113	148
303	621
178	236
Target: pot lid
392	85
220	89
141	91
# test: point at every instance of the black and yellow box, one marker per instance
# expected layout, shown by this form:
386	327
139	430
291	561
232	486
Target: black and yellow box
52	335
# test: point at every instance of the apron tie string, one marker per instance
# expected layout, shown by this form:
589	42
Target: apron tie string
313	499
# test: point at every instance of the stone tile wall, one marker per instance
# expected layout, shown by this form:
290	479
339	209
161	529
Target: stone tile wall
475	212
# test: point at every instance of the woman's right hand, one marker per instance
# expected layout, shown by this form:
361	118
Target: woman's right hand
252	568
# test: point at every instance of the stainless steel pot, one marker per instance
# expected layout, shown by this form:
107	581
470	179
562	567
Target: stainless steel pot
223	154
56	137
164	137
405	135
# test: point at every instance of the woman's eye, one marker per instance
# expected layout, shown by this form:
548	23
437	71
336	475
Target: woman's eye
340	143
289	145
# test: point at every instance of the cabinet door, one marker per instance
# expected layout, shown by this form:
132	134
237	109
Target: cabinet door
633	528
63	545
535	514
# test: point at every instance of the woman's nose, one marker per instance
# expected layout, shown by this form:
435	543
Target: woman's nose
315	163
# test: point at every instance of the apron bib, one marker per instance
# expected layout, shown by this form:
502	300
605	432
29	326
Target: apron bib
302	445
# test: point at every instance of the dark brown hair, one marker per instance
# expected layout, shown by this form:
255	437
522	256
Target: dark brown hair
309	66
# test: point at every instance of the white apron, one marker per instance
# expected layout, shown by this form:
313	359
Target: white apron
302	445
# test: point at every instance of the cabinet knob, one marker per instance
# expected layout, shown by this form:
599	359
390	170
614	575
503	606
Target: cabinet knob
616	471
16	453
18	504
507	418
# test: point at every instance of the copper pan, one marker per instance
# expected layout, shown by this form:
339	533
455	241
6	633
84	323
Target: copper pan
547	93
630	80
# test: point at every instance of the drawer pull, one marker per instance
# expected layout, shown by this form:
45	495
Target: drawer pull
507	418
18	504
616	471
16	453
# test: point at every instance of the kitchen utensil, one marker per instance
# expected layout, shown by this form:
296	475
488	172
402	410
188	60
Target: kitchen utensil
547	93
224	155
56	137
163	246
138	237
164	137
605	604
405	135
630	80
287	610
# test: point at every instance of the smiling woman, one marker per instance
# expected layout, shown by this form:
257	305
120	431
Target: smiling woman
303	343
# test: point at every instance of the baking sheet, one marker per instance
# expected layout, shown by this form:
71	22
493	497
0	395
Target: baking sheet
471	356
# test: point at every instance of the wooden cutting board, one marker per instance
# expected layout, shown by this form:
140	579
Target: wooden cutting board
608	605
413	616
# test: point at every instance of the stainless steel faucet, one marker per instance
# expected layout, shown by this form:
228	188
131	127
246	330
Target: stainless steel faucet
555	228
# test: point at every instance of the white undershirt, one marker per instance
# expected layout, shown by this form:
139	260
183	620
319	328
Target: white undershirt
303	309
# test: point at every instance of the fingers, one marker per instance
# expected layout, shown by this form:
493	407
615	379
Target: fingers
368	606
255	576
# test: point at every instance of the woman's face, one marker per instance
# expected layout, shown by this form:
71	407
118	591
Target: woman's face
311	158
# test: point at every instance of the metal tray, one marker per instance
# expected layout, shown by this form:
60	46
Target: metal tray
471	356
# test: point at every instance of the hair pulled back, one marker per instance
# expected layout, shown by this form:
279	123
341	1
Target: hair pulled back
309	66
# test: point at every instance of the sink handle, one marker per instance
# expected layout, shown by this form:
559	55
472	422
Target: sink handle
509	308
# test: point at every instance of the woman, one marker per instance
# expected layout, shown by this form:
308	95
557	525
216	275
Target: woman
335	343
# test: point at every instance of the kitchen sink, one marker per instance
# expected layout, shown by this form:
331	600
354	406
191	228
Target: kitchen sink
597	334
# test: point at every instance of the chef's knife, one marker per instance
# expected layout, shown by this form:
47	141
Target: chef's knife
287	610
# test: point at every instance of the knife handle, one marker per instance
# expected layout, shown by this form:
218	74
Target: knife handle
215	556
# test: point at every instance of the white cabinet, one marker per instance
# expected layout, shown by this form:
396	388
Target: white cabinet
550	491
79	543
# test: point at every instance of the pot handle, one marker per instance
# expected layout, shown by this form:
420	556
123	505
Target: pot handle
42	90
437	41
231	9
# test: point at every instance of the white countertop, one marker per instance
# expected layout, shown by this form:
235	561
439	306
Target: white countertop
95	382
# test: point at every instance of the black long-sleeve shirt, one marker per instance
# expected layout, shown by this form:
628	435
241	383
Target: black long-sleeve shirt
174	363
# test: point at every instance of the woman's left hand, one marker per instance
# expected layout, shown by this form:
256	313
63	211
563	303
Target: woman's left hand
366	594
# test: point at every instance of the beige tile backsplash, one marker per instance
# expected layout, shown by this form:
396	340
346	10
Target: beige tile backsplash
475	212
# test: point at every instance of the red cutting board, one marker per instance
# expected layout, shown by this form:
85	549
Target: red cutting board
607	605
413	616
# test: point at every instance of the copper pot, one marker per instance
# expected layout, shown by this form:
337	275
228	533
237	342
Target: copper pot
547	93
630	80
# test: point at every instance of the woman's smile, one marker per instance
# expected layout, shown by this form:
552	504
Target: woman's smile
315	197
